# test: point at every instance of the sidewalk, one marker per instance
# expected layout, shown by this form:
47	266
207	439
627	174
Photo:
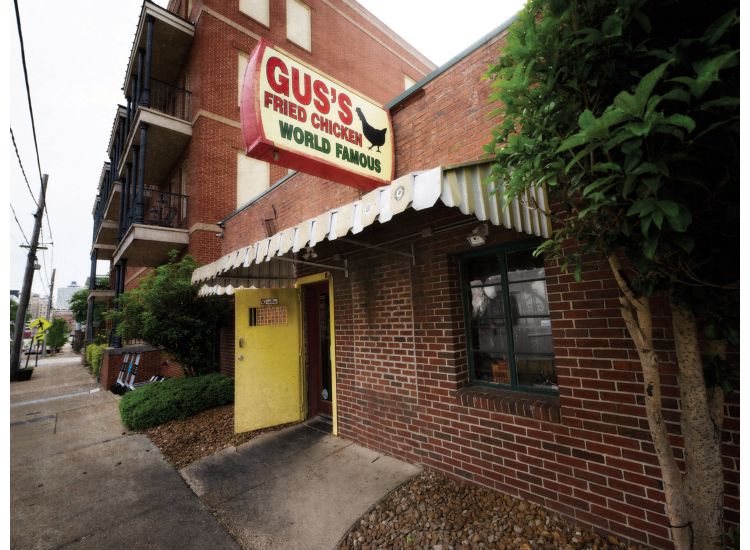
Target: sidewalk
80	480
298	488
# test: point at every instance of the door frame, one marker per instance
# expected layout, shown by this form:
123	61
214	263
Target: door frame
299	283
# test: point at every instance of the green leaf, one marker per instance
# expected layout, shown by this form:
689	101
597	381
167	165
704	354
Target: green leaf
582	153
649	247
717	29
721	102
642	207
612	26
708	72
658	218
670	208
634	104
627	103
576	140
684	243
643	21
681	221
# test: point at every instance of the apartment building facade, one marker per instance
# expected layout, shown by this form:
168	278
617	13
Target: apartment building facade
176	165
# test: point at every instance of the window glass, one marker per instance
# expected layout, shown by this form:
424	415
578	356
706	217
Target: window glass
257	9
242	61
299	24
509	328
253	177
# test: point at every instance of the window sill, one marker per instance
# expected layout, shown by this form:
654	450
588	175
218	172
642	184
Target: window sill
545	408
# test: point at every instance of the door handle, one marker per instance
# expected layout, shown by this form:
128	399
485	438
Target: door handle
240	358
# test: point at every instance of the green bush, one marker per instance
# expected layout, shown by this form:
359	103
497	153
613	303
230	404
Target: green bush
174	399
94	353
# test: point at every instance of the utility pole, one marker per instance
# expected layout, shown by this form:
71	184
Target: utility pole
49	312
28	277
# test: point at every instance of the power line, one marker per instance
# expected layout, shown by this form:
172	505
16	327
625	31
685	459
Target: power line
19	224
18	156
28	88
31	108
44	258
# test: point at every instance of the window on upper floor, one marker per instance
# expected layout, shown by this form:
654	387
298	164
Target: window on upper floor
242	60
258	10
506	312
299	24
253	178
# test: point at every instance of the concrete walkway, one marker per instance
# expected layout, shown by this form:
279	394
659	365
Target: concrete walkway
298	488
80	480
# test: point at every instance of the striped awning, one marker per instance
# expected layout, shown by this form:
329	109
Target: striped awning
270	262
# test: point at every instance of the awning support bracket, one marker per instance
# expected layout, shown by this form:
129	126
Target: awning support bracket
409	255
345	269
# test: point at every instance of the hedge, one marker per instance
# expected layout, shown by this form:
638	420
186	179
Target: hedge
174	399
94	353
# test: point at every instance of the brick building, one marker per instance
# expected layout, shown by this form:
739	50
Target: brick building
417	317
176	165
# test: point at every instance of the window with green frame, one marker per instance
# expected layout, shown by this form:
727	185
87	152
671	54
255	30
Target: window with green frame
508	329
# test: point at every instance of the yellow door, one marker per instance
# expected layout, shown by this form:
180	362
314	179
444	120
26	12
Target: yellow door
268	374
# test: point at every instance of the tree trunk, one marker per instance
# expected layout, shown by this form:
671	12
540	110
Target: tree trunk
704	474
636	311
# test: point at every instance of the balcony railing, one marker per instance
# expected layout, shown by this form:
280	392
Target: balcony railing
164	209
169	99
101	282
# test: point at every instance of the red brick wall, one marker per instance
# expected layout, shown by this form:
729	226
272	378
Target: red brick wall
211	156
449	121
403	387
402	378
152	363
295	200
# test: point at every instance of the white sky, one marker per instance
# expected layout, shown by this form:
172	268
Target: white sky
76	53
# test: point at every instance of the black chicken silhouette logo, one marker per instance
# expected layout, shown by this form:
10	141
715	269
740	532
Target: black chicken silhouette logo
374	136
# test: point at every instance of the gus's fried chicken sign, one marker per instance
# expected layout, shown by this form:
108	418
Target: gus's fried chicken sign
295	116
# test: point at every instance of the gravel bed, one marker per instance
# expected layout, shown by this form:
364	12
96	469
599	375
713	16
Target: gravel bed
209	431
436	513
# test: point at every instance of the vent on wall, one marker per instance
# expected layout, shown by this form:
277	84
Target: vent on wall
268	316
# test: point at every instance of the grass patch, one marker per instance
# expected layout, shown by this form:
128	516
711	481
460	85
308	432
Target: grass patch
174	399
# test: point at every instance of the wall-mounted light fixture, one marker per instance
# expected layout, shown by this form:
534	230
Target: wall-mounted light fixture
478	235
309	253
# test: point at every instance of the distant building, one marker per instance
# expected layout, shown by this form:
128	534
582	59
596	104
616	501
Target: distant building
67	315
37	306
64	294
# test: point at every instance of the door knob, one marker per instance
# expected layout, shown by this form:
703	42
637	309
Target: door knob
240	358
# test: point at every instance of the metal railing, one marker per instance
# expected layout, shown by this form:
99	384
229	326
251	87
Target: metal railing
169	99
101	282
164	209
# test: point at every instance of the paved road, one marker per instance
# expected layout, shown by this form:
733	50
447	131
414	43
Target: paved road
80	480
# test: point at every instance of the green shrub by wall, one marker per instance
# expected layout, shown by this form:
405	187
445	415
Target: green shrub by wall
173	399
94	354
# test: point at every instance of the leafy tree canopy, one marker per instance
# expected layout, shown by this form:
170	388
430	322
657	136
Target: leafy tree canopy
165	310
57	334
628	111
79	304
